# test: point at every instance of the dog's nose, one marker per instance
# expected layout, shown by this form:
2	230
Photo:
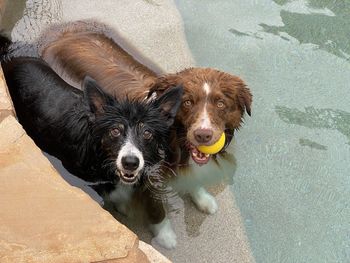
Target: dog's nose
203	135
130	162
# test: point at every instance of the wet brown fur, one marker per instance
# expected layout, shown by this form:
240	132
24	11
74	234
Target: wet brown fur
93	54
224	87
77	51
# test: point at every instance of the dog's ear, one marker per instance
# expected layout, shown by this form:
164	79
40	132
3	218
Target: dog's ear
234	88
245	99
162	84
169	103
95	97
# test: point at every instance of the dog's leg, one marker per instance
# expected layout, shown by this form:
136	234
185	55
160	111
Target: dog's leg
163	233
204	201
160	225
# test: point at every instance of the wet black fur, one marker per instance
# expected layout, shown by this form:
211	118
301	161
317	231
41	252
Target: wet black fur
75	126
5	42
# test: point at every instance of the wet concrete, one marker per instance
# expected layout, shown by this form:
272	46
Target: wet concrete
12	12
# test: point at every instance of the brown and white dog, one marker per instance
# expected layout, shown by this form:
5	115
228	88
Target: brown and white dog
213	102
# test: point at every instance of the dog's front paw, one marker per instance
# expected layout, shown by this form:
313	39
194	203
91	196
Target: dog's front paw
164	234
204	201
166	240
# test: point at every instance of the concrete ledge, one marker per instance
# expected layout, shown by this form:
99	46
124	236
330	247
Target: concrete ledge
152	254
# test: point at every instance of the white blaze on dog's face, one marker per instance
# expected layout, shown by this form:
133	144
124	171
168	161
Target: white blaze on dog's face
203	131
130	161
204	122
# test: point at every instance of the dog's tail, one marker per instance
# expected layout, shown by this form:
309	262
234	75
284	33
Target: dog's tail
5	43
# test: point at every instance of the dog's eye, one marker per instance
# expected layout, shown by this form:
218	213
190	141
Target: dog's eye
147	135
220	104
115	132
188	103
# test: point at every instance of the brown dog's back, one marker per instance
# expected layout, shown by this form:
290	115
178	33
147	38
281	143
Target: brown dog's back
75	54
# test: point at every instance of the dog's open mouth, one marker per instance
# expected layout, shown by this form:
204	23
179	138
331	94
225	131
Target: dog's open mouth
127	178
197	156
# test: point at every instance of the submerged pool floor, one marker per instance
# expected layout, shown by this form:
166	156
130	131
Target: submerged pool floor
292	182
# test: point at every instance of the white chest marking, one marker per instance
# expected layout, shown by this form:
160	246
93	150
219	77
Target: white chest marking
121	194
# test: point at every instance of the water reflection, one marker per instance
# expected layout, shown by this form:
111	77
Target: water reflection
216	176
215	172
329	33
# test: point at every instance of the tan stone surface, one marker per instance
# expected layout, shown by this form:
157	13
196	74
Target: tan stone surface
44	219
135	256
153	255
6	107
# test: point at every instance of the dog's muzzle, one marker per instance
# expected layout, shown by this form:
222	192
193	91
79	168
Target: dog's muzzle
130	169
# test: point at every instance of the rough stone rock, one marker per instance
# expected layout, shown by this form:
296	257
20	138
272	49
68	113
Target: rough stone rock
44	219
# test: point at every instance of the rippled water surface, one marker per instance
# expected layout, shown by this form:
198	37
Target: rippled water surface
292	182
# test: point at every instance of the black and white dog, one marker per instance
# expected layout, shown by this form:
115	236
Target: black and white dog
97	138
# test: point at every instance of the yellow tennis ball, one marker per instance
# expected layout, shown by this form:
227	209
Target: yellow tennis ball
214	148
